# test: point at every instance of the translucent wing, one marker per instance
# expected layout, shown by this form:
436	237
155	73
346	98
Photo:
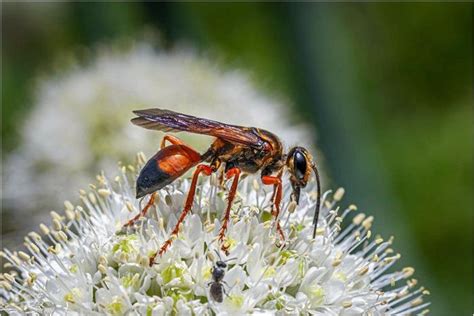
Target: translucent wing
169	121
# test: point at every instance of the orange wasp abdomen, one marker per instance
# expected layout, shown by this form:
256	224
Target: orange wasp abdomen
175	160
164	167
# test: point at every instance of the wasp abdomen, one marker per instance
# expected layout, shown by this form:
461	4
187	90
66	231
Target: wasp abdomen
164	167
175	160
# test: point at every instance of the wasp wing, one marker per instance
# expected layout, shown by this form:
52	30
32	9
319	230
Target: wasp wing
169	121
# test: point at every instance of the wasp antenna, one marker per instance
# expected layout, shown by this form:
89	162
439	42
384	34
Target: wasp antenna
318	201
218	254
228	259
220	258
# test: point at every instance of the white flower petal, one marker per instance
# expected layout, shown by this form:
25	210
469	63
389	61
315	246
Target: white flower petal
94	267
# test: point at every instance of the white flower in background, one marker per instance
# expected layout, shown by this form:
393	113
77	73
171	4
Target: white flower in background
80	123
85	263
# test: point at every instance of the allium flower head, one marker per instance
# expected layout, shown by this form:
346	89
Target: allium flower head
86	263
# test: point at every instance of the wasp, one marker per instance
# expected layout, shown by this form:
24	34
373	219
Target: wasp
236	149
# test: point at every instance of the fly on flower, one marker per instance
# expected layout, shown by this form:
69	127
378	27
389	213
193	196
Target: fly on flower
235	150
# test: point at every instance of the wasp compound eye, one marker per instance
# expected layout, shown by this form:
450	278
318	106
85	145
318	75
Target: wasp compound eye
299	165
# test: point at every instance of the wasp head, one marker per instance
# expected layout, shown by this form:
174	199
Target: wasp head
299	162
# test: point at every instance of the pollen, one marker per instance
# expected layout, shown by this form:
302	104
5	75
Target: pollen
339	194
408	271
358	218
367	223
24	256
57	225
292	207
104	192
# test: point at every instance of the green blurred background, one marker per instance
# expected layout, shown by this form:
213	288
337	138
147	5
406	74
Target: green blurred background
387	86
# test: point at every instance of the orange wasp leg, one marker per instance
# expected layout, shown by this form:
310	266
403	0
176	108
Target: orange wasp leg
172	139
276	181
233	172
187	207
150	203
275	186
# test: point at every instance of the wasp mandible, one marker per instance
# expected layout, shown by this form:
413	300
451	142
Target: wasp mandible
237	149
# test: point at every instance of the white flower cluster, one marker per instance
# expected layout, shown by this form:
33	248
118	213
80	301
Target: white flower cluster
80	123
86	263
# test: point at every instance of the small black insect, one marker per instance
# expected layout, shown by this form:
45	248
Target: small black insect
217	290
217	286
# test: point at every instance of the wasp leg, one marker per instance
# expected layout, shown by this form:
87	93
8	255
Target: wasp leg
276	181
233	172
187	207
221	178
143	212
172	139
275	187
